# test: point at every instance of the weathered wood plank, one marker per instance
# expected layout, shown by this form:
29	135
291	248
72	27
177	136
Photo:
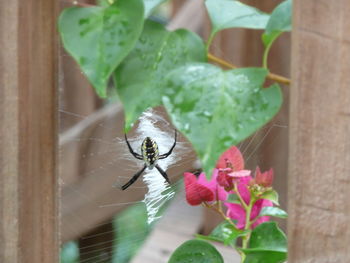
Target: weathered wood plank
28	184
319	182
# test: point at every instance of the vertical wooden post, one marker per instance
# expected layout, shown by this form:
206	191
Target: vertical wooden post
28	177
319	163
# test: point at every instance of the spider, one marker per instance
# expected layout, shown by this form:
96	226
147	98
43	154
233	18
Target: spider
150	155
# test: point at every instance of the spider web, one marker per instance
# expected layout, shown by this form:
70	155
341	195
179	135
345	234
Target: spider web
159	192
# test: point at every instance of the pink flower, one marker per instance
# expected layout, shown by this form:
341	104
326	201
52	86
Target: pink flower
237	212
264	179
219	192
200	190
231	158
231	165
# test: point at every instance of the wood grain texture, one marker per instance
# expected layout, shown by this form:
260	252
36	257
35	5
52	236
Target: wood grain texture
319	172
28	184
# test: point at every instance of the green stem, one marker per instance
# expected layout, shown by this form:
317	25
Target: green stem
248	209
242	256
267	50
235	188
248	223
266	53
210	39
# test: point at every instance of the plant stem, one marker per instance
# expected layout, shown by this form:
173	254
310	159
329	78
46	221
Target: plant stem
272	76
265	56
267	50
235	188
245	238
210	39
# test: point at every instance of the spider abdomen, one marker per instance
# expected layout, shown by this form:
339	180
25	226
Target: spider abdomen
149	151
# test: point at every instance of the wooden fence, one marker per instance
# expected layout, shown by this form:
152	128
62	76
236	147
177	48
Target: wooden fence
28	144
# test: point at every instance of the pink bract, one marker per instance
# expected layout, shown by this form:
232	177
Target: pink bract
195	192
231	158
264	179
200	190
230	166
219	191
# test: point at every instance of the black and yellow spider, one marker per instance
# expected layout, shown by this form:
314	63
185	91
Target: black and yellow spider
150	155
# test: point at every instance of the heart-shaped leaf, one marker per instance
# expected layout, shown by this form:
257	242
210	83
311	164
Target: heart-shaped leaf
216	109
231	13
140	78
267	244
280	21
196	251
263	256
99	38
273	211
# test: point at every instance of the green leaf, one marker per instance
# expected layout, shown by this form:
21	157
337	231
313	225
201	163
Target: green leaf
271	195
99	38
209	238
268	236
267	244
216	109
224	233
150	5
105	3
196	251
258	256
140	78
273	211
280	21
69	253
227	233
230	13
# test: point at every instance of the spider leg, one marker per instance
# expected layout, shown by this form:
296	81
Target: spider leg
136	155
160	170
165	155
134	178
